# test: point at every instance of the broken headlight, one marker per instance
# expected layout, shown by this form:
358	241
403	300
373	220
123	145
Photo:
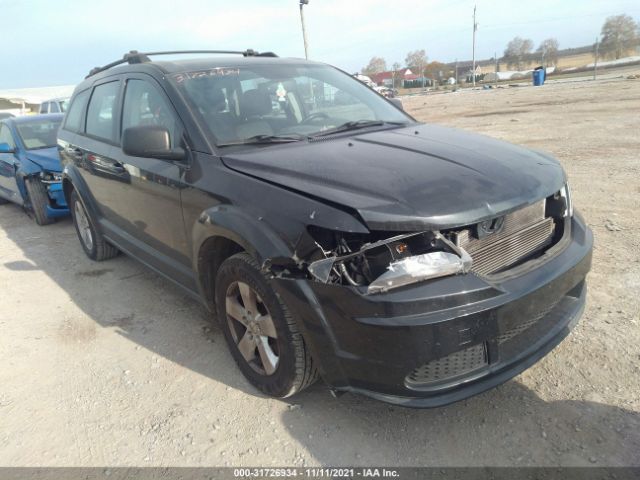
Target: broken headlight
566	195
418	268
389	263
50	177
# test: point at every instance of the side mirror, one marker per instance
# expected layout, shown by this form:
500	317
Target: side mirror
150	141
397	102
6	148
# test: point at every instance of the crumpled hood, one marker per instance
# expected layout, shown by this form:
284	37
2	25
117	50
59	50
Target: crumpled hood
46	158
413	178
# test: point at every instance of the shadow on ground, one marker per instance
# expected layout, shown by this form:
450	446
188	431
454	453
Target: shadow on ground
510	425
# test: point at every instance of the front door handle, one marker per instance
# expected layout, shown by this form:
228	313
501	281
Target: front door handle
118	168
106	164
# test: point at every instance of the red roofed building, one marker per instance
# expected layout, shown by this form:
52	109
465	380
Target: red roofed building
386	78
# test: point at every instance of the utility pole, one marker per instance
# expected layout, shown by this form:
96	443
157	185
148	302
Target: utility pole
595	64
475	27
304	30
495	57
456	71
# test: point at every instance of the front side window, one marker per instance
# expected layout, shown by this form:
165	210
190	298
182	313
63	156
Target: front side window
39	133
73	118
100	114
239	103
6	137
144	104
53	107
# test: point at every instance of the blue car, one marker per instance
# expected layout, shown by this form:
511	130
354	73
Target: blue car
30	171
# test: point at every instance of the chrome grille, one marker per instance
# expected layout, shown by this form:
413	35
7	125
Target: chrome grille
449	367
524	232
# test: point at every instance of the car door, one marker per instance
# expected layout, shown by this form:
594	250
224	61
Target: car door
8	165
141	196
93	148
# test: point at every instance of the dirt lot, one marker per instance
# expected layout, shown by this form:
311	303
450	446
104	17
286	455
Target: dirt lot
108	364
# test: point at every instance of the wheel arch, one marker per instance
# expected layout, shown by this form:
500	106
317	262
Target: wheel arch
67	189
223	231
72	180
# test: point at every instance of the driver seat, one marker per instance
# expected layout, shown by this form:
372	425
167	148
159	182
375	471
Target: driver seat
254	104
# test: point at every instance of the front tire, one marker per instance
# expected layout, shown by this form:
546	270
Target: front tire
263	338
93	243
39	199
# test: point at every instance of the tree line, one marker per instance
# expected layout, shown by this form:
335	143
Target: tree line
619	34
416	60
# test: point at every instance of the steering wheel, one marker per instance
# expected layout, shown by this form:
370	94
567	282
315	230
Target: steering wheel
314	116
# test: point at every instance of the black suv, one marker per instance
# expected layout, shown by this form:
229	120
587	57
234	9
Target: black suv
331	233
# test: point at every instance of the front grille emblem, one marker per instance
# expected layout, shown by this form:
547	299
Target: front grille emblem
489	227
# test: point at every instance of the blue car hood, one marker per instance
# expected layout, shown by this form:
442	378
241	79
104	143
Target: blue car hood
46	158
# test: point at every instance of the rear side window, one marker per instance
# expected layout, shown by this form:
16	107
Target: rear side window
44	107
100	114
74	115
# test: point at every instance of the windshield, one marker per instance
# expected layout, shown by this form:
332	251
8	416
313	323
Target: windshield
38	133
237	104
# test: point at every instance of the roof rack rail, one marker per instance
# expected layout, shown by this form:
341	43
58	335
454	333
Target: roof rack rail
134	57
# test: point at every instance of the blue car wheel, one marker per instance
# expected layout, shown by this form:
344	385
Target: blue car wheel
39	199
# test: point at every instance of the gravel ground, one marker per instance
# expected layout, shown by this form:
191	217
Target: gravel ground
109	364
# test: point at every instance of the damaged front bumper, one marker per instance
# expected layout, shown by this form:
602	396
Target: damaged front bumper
437	342
57	206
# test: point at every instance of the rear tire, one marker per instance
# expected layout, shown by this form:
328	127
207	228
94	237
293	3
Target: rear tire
39	199
263	338
93	242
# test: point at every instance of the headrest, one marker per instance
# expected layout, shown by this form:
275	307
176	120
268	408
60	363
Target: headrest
255	103
215	99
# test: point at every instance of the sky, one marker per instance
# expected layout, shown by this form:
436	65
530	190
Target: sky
56	42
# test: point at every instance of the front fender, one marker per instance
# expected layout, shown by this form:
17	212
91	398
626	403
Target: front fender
233	223
24	168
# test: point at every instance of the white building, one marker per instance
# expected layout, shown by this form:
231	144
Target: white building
20	101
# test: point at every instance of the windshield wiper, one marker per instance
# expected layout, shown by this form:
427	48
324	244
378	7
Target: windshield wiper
355	125
265	139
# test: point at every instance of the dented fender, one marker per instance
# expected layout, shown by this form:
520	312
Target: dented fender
233	223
